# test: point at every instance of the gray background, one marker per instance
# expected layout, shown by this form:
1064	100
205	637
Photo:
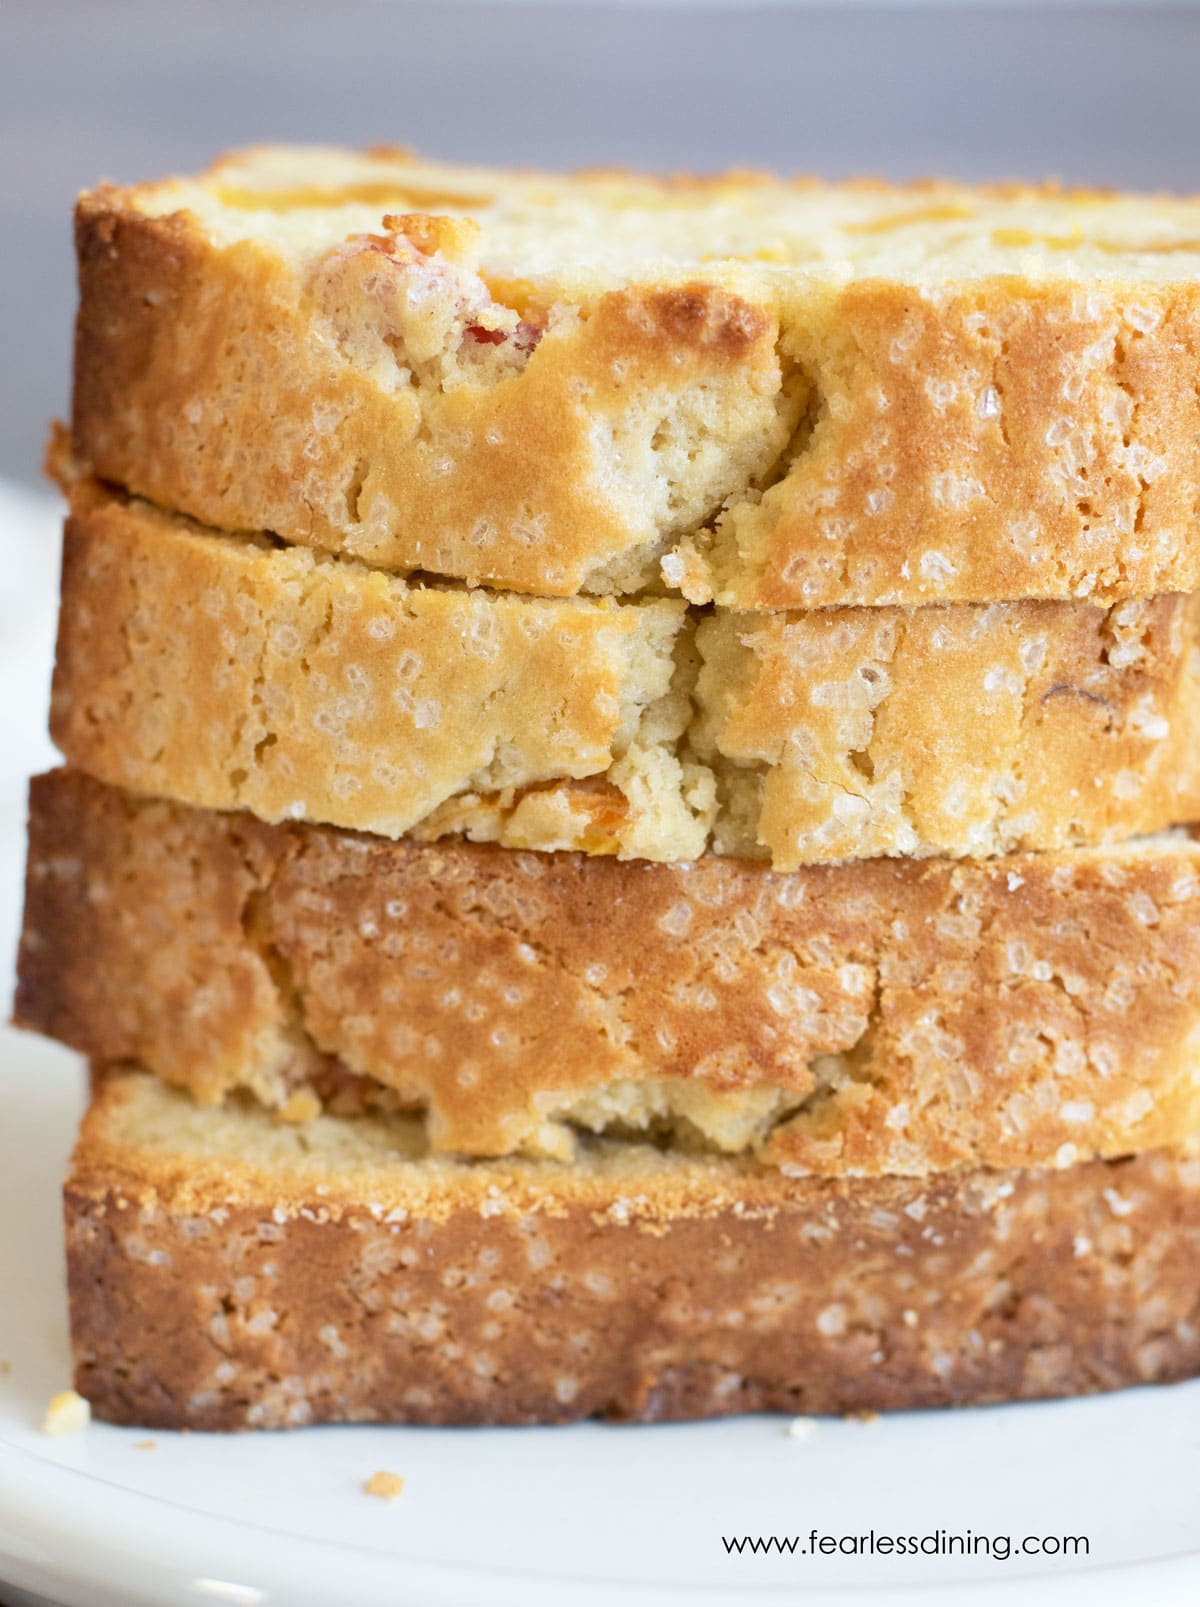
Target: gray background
132	90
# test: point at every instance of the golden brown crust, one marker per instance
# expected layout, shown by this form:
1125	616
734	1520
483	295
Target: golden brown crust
218	1283
999	440
1025	426
551	471
230	674
842	733
886	1016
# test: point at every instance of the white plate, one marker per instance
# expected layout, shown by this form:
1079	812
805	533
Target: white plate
549	1516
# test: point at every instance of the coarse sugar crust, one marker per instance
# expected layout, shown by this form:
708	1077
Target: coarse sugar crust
226	1272
871	1018
228	672
775	395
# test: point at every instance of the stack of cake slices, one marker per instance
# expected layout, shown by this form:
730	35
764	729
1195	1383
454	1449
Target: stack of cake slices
623	847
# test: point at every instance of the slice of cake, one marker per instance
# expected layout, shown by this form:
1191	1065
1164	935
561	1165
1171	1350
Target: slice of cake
780	395
230	1272
874	1017
223	671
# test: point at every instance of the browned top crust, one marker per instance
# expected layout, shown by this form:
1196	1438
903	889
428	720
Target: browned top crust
229	1273
225	672
779	396
880	1017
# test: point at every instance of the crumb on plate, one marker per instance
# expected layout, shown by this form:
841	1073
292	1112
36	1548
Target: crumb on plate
387	1486
67	1413
801	1427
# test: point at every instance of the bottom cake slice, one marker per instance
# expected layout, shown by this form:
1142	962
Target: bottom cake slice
228	1271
